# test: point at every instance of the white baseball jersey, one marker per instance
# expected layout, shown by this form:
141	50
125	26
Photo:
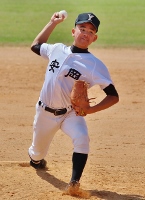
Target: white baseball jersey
64	68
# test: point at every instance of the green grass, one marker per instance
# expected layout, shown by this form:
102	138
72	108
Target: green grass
122	21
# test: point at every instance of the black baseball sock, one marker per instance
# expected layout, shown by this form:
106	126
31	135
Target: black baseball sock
79	161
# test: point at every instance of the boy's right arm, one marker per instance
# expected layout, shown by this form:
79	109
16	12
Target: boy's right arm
43	36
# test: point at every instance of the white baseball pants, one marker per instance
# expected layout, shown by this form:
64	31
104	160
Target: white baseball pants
45	126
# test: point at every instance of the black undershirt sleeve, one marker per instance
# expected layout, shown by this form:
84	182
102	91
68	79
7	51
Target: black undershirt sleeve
110	90
36	48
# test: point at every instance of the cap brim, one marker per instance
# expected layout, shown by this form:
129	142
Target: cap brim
86	21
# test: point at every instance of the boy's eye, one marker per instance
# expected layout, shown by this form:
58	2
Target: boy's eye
91	32
86	30
82	29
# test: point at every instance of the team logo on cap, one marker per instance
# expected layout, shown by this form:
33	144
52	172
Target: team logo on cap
90	17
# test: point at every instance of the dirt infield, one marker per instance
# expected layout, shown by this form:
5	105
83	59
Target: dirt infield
116	165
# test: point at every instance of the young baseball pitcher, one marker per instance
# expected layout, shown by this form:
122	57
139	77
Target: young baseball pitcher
54	110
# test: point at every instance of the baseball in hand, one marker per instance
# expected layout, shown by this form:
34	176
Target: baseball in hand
63	12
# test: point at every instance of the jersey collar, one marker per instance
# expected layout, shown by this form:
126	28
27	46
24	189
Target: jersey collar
75	49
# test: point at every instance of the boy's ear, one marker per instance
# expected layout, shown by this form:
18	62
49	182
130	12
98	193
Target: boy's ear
95	38
73	31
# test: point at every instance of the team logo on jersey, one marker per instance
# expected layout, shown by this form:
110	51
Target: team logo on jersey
54	64
90	17
74	74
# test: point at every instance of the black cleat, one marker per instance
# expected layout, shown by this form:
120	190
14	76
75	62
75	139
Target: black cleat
38	164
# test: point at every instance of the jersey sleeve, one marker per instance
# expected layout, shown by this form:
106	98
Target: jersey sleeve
46	50
100	75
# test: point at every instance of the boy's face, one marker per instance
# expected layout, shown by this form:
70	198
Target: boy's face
84	34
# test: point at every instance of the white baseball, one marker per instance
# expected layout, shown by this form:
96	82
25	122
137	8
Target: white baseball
63	12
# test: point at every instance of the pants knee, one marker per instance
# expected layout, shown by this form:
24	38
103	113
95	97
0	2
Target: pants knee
81	144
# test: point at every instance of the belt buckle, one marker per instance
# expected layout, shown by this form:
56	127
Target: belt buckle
55	112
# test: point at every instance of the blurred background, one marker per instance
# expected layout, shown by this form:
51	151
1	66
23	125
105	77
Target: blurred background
122	21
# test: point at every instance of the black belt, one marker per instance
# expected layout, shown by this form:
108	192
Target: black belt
54	111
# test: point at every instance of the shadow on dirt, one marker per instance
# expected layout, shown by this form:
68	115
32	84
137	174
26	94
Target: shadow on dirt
108	195
105	195
45	175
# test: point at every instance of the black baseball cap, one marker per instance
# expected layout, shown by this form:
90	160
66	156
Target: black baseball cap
88	17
